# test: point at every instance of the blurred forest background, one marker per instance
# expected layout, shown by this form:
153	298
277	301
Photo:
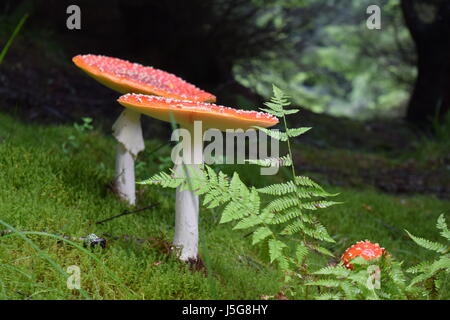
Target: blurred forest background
319	51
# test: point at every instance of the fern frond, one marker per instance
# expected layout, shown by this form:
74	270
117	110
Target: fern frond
282	203
279	189
273	133
271	111
276	249
232	212
283	217
307	182
246	205
248	222
301	252
280	97
338	271
237	187
329	283
164	180
317	205
294	227
290	111
442	225
351	291
441	264
421	267
319	232
329	296
260	234
284	161
427	244
291	133
321	250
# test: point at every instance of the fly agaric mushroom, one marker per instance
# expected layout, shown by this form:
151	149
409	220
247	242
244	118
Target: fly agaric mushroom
127	77
185	113
364	249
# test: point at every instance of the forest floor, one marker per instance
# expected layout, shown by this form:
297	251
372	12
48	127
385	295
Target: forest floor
57	178
385	153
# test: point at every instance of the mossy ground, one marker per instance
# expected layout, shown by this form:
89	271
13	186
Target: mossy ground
56	179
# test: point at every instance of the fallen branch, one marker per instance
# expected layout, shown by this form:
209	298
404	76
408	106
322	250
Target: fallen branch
126	212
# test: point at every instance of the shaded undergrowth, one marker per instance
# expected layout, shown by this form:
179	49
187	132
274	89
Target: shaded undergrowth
52	186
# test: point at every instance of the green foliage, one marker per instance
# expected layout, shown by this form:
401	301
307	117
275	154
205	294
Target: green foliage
44	189
14	34
281	218
334	63
73	142
384	278
435	147
376	279
433	274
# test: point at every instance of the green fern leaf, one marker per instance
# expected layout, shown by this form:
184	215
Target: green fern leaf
279	189
329	296
317	205
164	180
248	222
273	112
324	251
318	232
260	234
297	132
290	111
232	211
421	267
294	227
427	244
442	225
275	134
282	203
325	283
284	161
307	182
338	271
276	249
301	252
283	217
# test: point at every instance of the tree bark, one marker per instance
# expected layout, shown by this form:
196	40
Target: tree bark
430	99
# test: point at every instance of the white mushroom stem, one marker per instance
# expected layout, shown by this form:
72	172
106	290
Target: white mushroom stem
187	202
128	132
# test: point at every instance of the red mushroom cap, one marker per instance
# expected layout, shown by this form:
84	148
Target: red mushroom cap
186	112
364	249
126	77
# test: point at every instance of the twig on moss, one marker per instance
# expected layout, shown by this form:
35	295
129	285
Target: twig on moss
126	212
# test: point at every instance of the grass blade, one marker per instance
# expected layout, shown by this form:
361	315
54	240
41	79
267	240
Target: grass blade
13	36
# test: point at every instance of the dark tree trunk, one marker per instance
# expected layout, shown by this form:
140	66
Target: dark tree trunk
430	98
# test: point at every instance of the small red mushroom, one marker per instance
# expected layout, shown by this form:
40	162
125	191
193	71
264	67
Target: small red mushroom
127	77
364	249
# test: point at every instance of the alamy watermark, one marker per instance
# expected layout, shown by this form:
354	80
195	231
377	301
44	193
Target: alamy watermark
74	278
73	21
374	279
374	20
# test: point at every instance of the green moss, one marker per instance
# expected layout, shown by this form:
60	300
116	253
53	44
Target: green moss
49	184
